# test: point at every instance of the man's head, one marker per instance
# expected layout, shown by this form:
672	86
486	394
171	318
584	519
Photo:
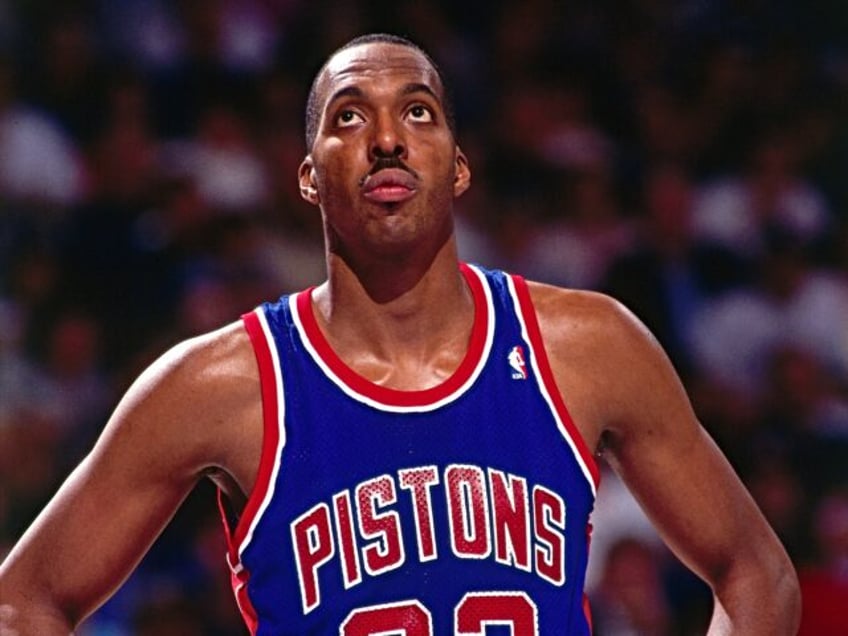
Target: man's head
383	163
314	102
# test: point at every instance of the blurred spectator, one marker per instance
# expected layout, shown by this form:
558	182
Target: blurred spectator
822	140
792	303
630	599
28	289
145	33
73	391
824	583
687	157
222	161
16	373
30	469
668	132
804	396
65	76
289	240
666	276
575	243
522	38
105	243
169	616
617	518
157	35
737	212
578	245
801	441
779	491
39	164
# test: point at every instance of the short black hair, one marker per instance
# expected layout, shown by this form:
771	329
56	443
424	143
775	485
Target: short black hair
313	108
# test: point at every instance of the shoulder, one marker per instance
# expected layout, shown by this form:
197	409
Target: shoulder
603	359
199	395
579	318
201	365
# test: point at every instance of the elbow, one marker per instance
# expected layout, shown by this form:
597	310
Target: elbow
781	592
18	616
762	597
788	595
784	592
24	611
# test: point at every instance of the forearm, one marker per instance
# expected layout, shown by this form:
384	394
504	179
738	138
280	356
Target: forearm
23	617
752	605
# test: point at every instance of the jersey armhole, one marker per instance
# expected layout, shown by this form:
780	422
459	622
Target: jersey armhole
534	334
271	437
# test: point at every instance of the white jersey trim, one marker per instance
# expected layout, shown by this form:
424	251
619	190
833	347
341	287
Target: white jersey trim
540	383
281	439
418	408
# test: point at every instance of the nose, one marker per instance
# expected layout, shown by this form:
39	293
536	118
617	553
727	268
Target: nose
388	138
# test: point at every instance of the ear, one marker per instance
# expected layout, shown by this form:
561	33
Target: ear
462	173
306	179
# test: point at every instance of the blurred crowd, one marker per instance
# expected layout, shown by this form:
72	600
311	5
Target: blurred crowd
689	157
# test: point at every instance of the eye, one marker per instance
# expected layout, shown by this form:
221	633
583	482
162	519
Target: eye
420	113
348	118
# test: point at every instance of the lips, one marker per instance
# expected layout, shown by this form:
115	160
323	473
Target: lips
390	185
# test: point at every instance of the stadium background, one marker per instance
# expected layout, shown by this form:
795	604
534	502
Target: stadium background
688	156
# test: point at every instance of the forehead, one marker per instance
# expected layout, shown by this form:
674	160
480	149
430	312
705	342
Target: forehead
376	61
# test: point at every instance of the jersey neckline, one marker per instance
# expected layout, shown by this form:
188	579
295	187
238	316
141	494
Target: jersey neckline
377	395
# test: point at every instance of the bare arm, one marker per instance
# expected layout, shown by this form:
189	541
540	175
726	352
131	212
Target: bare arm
166	433
652	438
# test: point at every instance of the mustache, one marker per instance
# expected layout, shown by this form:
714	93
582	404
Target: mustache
384	163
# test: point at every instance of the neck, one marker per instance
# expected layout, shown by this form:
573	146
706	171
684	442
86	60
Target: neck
401	315
394	288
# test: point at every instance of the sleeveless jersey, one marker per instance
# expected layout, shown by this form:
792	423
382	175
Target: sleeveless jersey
451	510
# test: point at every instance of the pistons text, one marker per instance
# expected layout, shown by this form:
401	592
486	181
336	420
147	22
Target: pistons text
490	514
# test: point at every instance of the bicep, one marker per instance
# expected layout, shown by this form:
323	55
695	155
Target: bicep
694	498
111	508
93	533
674	468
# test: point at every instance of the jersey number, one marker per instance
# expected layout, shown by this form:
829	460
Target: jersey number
474	613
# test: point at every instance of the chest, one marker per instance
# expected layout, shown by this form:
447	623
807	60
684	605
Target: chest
369	497
478	496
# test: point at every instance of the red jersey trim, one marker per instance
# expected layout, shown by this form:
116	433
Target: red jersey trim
268	379
238	581
587	611
360	387
259	495
534	333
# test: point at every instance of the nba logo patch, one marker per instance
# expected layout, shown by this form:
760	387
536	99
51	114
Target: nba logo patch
517	366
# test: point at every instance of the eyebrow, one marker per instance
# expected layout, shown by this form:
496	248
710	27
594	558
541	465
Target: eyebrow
418	87
348	91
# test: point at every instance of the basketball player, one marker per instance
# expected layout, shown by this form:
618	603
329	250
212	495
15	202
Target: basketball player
409	447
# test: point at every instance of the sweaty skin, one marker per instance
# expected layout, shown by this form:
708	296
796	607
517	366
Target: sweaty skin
392	271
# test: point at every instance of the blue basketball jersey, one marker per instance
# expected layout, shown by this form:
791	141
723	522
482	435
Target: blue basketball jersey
458	509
